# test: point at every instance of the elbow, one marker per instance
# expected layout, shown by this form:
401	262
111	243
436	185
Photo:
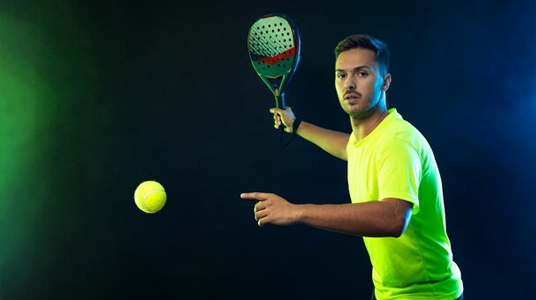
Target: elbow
396	232
399	220
399	226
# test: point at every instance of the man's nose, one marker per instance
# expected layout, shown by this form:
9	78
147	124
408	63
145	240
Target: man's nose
349	84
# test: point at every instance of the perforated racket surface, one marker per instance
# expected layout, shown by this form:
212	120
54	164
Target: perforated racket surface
274	49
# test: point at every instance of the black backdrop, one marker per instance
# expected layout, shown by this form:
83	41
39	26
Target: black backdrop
98	96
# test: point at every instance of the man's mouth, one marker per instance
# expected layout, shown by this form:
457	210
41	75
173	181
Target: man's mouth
351	97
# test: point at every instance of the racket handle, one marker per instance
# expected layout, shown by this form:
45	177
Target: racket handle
280	103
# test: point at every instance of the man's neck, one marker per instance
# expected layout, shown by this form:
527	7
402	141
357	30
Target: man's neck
363	127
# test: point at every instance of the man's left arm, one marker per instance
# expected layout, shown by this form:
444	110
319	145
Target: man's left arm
386	218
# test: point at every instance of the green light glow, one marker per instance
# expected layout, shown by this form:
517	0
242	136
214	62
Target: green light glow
23	93
49	141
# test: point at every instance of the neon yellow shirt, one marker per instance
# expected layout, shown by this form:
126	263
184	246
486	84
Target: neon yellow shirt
396	161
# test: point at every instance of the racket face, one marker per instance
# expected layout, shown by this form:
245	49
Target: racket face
274	46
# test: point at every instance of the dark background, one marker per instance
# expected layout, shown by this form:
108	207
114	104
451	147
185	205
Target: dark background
98	96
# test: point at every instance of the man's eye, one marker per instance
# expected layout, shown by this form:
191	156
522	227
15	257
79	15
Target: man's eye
362	74
340	76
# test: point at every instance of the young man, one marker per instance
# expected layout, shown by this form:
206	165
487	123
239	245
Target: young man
395	186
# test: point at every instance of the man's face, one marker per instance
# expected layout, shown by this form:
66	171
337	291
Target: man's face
359	82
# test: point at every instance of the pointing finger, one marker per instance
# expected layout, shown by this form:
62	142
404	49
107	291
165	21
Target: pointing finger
255	196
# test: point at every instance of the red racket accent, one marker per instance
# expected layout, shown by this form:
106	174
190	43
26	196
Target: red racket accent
278	58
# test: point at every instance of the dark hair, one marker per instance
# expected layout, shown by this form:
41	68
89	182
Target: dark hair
365	41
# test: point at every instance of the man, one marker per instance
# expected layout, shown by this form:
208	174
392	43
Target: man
394	183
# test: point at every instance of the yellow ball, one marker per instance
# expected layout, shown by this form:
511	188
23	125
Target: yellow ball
150	196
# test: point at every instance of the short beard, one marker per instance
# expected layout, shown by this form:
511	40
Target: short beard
363	115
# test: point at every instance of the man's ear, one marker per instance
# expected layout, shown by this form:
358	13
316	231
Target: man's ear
386	82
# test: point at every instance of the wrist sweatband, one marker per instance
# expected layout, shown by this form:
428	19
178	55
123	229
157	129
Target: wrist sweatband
295	125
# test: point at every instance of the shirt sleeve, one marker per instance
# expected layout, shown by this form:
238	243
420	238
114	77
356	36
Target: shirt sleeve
399	172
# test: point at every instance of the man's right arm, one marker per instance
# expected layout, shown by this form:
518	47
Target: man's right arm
333	142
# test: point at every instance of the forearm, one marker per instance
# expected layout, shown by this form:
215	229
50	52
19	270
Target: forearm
371	219
333	142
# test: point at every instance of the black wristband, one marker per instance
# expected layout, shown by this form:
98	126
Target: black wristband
295	125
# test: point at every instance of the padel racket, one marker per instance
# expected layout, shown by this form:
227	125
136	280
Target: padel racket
274	49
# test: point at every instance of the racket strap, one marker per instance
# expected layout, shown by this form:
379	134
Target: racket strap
295	126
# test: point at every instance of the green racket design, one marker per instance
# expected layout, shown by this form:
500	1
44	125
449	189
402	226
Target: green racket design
274	49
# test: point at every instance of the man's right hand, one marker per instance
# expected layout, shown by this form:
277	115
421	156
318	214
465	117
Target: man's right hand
283	117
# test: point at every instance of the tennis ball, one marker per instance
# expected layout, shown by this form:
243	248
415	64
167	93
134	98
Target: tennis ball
150	196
